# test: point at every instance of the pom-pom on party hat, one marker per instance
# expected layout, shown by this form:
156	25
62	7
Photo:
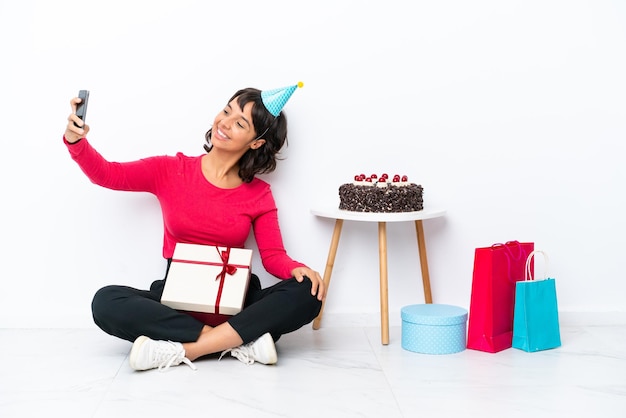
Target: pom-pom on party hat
275	99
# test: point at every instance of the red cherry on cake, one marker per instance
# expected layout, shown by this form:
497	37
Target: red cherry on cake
373	176
405	178
357	178
396	178
368	179
384	176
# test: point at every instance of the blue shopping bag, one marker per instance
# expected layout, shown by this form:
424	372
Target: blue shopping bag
536	316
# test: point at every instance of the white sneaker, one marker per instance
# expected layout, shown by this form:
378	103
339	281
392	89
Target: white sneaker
149	354
261	350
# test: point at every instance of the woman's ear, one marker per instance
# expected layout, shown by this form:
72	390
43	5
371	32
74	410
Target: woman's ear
257	143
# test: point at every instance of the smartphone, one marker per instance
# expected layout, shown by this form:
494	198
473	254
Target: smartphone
81	108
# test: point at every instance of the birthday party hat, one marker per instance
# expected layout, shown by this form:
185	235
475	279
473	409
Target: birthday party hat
275	99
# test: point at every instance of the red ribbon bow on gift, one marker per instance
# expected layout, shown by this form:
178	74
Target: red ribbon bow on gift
229	269
226	268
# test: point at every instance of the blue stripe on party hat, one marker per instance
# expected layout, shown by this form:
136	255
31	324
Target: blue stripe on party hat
275	99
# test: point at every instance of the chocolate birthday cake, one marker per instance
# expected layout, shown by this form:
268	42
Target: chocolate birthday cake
378	194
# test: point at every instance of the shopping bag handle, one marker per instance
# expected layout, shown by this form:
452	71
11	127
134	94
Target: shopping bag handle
506	246
520	251
528	275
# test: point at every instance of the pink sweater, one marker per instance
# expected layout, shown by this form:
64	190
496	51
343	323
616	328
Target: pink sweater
194	210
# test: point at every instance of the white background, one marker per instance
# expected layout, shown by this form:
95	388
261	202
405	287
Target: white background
511	114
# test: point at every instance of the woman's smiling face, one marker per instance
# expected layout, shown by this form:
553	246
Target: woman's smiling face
233	127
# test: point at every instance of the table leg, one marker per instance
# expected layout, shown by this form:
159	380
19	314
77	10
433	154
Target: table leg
421	245
384	295
330	262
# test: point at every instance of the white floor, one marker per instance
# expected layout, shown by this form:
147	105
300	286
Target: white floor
336	371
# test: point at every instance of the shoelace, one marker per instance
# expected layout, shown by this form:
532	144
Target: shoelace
242	353
165	356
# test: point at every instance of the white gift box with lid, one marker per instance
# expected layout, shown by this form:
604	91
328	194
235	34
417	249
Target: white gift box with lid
207	279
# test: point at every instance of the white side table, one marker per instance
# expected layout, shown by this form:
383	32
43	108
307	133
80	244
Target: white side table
382	219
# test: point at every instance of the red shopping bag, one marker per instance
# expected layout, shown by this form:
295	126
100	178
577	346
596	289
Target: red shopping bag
496	270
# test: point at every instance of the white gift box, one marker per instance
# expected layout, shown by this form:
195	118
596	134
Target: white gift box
207	279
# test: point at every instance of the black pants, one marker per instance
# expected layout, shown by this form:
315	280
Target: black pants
127	313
